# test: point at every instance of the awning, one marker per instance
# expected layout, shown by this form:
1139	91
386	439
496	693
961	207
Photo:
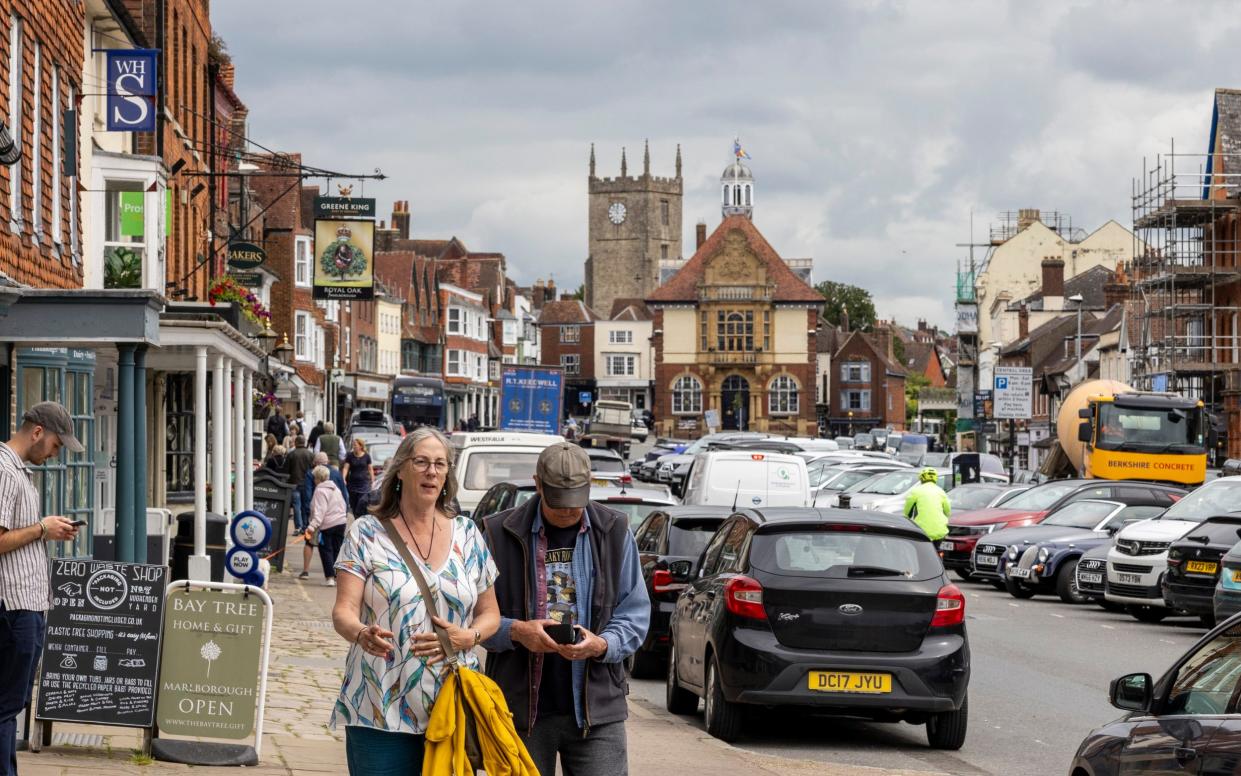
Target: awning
67	318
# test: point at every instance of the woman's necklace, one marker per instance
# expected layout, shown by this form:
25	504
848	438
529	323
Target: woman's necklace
430	545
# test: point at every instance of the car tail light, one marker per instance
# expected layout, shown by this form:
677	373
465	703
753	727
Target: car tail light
661	582
625	479
949	607
744	597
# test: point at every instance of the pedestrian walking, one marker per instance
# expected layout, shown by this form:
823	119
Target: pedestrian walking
328	442
299	424
586	612
927	505
276	463
277	427
299	462
358	476
308	489
315	433
289	435
396	666
328	515
25	583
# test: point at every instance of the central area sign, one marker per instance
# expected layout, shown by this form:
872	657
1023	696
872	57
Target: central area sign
1014	386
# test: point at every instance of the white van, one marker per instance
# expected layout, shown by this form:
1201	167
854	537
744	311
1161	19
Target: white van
487	458
747	479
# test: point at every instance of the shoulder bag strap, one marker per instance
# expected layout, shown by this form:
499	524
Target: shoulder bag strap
428	598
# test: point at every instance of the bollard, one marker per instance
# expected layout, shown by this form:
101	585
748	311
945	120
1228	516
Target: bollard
845	500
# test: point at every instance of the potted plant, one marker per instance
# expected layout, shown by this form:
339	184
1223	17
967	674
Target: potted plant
122	268
227	289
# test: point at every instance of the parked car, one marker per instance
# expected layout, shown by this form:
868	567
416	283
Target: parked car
1228	588
908	447
381	453
1092	574
737	478
638	429
887	492
484	459
846	611
1186	722
670	541
981	495
1139	559
668	463
1194	565
635	501
863	442
648	466
1043	558
844	442
605	465
838	478
986	461
966	529
371	419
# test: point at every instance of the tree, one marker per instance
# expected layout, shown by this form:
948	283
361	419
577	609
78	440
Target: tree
580	293
842	296
914	383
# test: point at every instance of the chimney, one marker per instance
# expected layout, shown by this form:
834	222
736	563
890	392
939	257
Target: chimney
1023	322
883	338
1026	216
228	74
1053	278
701	233
400	218
1114	294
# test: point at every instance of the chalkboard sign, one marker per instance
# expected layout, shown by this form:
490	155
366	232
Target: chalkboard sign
272	497
101	653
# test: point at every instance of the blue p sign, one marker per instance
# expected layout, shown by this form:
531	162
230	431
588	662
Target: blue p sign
1001	383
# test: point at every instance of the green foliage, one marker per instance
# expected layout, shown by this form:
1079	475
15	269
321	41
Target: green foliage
914	383
898	350
580	293
841	296
122	268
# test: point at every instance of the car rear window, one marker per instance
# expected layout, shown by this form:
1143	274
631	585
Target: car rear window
1218	497
893	483
635	510
1041	496
966	497
822	552
607	465
484	469
689	538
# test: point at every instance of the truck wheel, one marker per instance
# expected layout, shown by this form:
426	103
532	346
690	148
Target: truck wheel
1066	584
946	730
1018	589
1146	613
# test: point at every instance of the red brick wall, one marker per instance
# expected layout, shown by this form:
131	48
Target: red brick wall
57	26
552	349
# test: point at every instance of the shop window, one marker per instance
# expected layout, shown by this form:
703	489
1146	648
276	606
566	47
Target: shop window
179	437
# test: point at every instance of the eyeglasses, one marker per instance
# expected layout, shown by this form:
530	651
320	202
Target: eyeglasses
425	464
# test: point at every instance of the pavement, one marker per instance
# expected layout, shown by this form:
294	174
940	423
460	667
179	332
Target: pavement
304	677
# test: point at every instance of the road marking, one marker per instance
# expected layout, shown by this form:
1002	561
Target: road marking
1109	627
1053	614
1168	641
1015	606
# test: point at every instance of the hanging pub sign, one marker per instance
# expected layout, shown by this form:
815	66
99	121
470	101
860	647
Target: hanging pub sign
244	255
344	253
344	207
131	89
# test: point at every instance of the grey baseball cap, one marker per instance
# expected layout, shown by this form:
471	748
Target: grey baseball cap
564	472
55	418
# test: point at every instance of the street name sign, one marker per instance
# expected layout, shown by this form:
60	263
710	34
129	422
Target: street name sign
1012	394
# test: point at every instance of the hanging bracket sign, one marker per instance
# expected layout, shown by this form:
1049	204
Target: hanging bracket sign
344	207
244	255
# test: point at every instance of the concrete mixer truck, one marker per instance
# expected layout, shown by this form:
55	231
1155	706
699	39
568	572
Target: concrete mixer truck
1109	431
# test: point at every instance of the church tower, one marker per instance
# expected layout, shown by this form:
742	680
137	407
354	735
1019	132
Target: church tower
634	223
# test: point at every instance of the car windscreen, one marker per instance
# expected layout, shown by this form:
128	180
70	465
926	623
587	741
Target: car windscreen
1080	514
847	479
688	538
991	464
522	496
892	483
607	465
971	497
936	459
1041	497
1218	497
1010	494
820	551
484	469
635	510
381	453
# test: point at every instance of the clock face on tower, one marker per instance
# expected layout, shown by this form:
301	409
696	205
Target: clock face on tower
617	213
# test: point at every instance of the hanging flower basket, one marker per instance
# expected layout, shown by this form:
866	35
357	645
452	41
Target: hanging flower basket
228	290
264	403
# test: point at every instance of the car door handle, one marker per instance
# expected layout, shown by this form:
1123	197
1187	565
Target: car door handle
1184	754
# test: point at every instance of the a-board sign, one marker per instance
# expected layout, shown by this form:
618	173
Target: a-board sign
102	648
209	684
272	497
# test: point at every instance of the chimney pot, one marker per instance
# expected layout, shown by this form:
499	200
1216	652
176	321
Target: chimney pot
1053	277
1023	322
700	234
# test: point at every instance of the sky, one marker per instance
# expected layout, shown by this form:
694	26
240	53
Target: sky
875	128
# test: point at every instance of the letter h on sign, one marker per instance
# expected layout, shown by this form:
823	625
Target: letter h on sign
131	89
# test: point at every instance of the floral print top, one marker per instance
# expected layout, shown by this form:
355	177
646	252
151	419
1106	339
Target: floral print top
397	693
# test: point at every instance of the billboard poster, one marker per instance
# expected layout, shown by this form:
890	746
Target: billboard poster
131	89
344	265
967	318
530	399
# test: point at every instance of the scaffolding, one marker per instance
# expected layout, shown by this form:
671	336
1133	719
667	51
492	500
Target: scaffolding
1009	222
1183	280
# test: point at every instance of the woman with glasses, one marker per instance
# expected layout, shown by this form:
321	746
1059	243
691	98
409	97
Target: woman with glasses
395	665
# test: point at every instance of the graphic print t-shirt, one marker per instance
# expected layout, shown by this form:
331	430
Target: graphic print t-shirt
556	685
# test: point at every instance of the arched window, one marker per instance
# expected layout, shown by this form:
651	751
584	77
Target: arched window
782	396
725	193
687	396
737	195
747	195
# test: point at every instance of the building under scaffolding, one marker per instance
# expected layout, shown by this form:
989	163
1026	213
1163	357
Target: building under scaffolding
1185	278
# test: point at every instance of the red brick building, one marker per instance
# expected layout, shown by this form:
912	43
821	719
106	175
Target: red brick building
868	386
567	331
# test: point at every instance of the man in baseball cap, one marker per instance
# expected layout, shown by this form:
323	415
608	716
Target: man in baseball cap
54	419
584	563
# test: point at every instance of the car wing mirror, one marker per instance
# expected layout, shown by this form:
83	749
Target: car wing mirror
1084	431
1131	692
681	570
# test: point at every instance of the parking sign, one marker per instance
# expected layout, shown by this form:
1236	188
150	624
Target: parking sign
1012	395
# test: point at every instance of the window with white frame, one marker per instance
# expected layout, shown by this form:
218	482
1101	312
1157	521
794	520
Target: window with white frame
320	346
782	396
15	118
620	337
855	400
58	234
855	372
480	367
620	364
348	344
302	274
454	320
510	332
571	363
36	144
686	396
570	334
301	336
454	363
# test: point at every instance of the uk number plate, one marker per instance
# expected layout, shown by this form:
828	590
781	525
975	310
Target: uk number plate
949	546
987	560
1129	579
1019	573
1200	567
1090	577
1236	575
845	681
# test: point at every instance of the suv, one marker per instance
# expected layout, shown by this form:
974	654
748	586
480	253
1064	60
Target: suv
1137	563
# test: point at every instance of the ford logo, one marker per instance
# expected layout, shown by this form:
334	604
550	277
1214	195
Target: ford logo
850	609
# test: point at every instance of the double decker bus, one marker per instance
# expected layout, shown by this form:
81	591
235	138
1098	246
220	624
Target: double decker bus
418	401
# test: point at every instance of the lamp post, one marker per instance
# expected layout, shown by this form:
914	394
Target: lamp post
284	351
1077	299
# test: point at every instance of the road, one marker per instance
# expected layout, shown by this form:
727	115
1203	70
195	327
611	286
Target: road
1039	683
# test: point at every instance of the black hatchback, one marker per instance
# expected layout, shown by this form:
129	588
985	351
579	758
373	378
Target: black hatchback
1194	563
847	612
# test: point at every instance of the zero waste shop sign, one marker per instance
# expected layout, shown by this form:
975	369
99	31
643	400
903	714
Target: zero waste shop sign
209	680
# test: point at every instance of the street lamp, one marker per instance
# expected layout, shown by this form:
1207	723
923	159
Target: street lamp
266	339
284	351
1077	300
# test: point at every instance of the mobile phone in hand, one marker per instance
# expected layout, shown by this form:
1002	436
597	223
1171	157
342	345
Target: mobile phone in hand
562	633
77	523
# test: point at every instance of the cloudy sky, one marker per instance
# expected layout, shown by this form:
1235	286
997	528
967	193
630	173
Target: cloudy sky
875	127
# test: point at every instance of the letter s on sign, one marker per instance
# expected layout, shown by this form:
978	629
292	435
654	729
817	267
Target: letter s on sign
132	98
